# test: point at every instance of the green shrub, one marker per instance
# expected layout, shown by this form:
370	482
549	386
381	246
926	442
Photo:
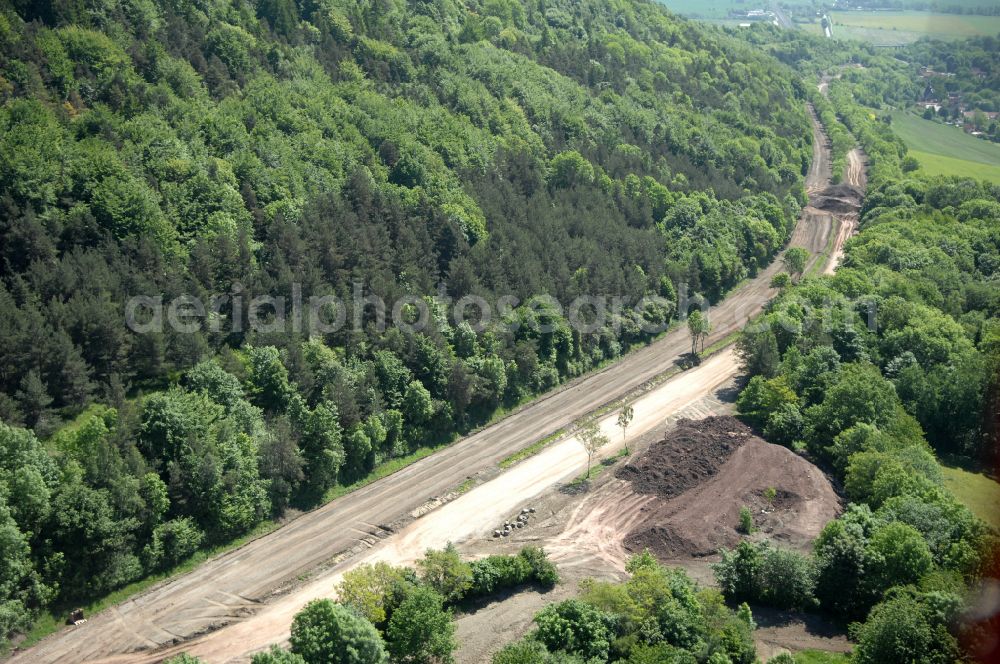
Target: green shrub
495	573
758	572
746	520
543	570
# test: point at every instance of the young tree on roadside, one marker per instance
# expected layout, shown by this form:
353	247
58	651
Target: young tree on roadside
795	261
592	439
699	327
624	420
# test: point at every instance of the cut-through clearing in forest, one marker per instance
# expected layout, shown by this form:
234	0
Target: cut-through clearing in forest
245	599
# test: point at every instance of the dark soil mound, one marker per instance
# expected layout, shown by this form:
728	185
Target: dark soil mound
666	543
842	191
840	198
691	453
703	473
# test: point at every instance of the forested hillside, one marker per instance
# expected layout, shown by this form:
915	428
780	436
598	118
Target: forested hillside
247	148
873	372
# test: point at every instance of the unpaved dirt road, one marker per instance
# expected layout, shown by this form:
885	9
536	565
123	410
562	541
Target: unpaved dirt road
474	514
856	176
256	589
818	176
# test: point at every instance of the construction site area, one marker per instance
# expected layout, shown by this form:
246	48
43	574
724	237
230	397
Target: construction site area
678	494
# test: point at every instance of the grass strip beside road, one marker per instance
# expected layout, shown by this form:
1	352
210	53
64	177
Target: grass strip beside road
597	470
719	345
531	450
386	469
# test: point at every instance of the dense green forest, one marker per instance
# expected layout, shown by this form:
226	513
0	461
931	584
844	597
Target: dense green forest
871	372
493	148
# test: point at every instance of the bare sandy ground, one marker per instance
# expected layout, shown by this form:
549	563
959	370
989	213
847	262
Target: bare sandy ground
819	168
244	600
599	554
585	534
472	515
856	176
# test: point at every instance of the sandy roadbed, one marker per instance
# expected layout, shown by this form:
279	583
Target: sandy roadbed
473	514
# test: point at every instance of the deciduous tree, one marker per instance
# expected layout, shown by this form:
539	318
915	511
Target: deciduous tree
592	439
328	633
625	416
795	261
420	630
698	328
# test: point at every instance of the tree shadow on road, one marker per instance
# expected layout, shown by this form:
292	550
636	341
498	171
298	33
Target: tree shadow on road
687	361
811	623
472	605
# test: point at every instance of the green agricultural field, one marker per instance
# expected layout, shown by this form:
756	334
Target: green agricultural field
977	492
945	150
934	164
716	9
709	9
875	36
814	28
901	27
